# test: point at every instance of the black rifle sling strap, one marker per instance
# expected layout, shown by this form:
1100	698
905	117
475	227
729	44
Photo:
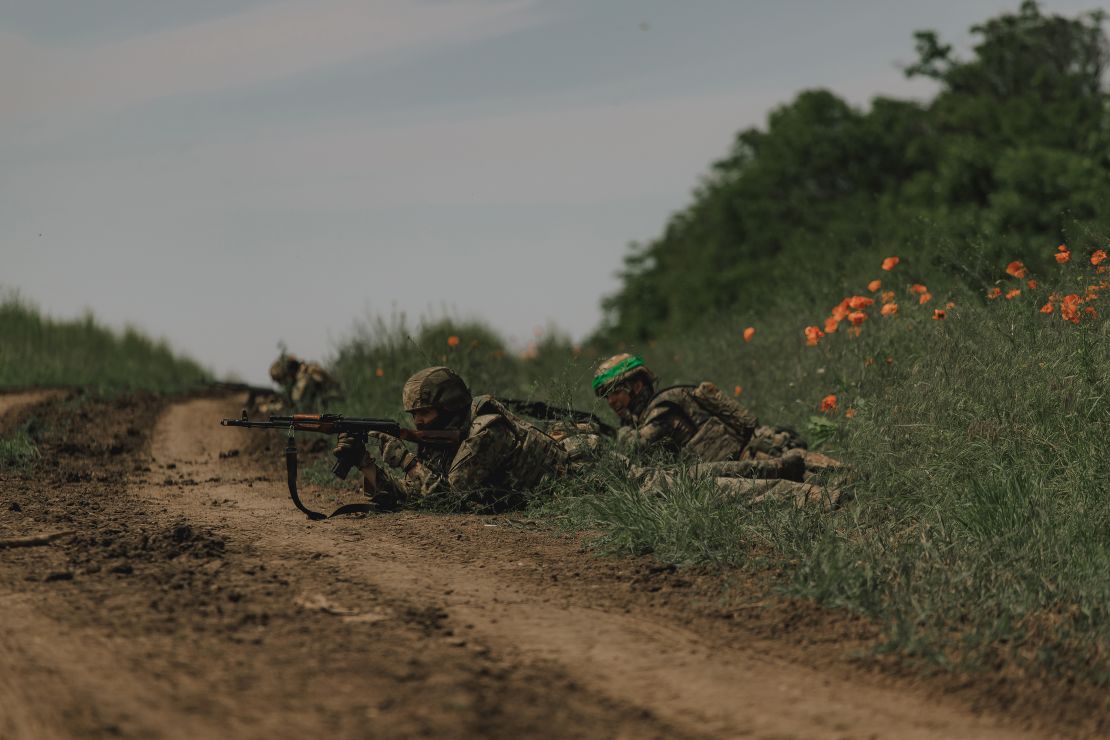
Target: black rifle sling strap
291	473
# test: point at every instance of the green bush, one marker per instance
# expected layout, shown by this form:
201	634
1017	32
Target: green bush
36	351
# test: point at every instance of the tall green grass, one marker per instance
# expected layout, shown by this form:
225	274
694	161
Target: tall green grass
978	528
37	351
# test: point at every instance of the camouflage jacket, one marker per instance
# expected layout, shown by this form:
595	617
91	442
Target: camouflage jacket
500	456
696	420
312	387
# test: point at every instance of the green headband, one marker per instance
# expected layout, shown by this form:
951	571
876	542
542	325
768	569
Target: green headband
617	370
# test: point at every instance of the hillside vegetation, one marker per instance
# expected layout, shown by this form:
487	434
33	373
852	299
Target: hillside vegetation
1012	153
37	351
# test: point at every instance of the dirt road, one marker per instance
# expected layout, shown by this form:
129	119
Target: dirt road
194	601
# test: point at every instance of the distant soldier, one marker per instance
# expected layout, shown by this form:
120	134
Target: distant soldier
498	457
696	420
305	385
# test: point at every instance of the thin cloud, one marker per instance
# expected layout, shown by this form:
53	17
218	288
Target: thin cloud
256	46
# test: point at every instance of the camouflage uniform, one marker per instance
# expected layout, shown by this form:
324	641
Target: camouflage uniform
697	420
499	457
306	385
703	423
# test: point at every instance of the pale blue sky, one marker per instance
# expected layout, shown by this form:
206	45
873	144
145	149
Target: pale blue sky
231	173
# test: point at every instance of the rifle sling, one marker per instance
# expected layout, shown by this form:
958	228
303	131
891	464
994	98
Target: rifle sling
291	475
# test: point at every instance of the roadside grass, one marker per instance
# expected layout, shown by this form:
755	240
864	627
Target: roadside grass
978	529
18	452
37	351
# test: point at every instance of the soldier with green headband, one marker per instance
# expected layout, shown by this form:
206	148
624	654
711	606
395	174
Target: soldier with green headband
695	420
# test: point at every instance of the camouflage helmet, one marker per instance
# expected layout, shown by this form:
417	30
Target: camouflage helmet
619	369
284	368
437	388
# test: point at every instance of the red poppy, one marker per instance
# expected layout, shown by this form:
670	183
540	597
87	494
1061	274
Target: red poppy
813	335
925	298
938	314
749	333
857	317
828	403
890	262
737	391
1098	257
1069	308
1031	284
1012	294
889	309
1062	254
452	341
849	413
831	325
379	373
874	285
1048	307
1016	269
994	293
919	289
887	296
858	302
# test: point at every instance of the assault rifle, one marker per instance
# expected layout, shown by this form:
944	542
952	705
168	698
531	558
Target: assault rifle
252	391
338	424
546	412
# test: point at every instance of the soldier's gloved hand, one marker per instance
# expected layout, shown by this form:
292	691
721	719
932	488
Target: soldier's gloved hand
393	451
350	447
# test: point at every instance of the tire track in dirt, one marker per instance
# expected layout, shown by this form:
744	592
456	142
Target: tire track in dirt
488	583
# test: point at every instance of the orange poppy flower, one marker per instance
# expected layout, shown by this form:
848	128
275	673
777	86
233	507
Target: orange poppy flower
1016	269
828	403
890	262
858	302
1031	284
887	296
919	289
1062	254
1012	294
874	285
857	317
452	341
737	391
1098	257
1048	308
1090	311
849	413
994	293
749	333
831	325
889	309
813	335
1069	308
938	314
925	298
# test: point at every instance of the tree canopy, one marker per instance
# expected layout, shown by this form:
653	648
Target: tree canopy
1011	155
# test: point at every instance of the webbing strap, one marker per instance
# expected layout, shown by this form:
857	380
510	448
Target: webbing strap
291	479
